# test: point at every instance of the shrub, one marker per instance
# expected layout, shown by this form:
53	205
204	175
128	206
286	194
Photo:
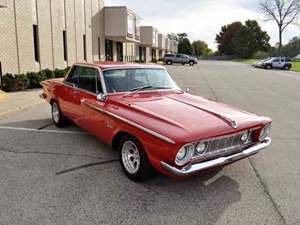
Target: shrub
8	80
14	82
60	73
48	74
154	60
33	79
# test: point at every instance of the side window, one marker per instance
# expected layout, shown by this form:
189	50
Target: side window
88	79
178	56
73	77
275	60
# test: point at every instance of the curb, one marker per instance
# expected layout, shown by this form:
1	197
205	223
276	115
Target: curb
3	95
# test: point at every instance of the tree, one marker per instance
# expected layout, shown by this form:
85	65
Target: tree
200	48
242	40
283	12
225	38
181	36
292	49
185	46
250	39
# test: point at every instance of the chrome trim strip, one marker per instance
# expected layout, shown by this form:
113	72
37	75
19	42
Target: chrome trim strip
195	168
228	120
153	133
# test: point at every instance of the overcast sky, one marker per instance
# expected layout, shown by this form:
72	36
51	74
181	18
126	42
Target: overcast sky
201	19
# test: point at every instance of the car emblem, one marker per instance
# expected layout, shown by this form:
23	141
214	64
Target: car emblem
233	124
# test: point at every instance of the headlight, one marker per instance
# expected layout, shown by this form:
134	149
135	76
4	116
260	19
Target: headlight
185	154
265	132
201	148
245	137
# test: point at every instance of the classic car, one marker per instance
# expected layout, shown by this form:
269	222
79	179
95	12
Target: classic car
141	112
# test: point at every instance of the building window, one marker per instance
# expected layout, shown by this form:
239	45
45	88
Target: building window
99	49
65	45
84	47
36	43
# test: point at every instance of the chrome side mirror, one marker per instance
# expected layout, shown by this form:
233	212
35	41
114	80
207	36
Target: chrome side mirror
101	97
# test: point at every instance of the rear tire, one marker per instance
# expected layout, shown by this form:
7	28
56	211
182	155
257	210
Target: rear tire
57	116
134	160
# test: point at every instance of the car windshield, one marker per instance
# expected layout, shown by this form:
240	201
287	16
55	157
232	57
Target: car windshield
128	80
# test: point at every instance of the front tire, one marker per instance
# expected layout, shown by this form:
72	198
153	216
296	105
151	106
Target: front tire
268	67
191	63
57	116
286	68
169	62
134	160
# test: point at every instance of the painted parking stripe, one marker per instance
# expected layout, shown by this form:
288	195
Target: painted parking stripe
43	131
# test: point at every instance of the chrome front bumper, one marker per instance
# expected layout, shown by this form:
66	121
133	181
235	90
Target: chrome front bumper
195	168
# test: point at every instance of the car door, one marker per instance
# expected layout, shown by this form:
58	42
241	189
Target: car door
177	59
276	63
90	117
70	93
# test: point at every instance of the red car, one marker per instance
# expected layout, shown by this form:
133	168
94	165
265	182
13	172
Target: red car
140	111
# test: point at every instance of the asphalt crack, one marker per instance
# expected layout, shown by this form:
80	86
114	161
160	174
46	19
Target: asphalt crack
268	194
47	153
214	93
86	166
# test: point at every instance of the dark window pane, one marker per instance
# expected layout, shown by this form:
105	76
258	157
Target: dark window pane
87	79
84	47
65	45
36	43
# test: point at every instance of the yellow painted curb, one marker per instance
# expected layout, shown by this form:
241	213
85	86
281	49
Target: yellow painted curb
3	95
19	108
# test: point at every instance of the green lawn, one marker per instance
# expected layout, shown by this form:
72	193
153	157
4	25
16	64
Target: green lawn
296	65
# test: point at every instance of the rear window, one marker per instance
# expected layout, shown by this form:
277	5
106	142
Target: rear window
169	55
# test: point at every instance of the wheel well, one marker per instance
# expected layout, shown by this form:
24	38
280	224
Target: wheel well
117	139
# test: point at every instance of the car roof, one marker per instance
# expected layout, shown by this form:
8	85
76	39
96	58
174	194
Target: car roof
104	65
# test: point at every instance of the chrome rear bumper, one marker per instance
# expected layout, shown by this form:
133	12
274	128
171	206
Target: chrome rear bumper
195	168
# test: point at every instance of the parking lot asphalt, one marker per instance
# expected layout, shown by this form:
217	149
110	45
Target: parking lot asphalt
66	176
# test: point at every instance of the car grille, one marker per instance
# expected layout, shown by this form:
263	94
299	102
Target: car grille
224	146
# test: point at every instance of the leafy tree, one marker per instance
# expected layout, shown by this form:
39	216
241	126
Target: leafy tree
225	38
181	36
185	46
292	49
250	39
173	37
200	48
242	40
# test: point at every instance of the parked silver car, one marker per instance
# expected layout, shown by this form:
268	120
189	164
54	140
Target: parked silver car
183	59
276	62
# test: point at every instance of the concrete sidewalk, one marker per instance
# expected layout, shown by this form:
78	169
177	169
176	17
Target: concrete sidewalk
15	101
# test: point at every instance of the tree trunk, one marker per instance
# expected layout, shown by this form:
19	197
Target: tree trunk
280	40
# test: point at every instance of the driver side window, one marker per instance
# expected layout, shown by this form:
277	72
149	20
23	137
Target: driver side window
86	78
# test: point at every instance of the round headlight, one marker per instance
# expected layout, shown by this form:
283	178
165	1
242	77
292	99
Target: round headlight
201	148
245	137
265	132
185	154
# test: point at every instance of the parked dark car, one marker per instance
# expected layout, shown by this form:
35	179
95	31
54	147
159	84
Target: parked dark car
183	59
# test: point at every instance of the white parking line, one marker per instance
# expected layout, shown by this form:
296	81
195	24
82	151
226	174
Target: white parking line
43	131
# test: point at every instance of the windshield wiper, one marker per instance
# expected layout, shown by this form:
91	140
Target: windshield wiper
141	88
134	90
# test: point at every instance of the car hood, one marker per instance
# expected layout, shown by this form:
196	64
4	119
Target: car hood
183	117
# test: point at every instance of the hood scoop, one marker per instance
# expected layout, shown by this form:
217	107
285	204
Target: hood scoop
228	120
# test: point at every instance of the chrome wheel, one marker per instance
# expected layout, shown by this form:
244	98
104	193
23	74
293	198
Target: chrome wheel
130	157
55	112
